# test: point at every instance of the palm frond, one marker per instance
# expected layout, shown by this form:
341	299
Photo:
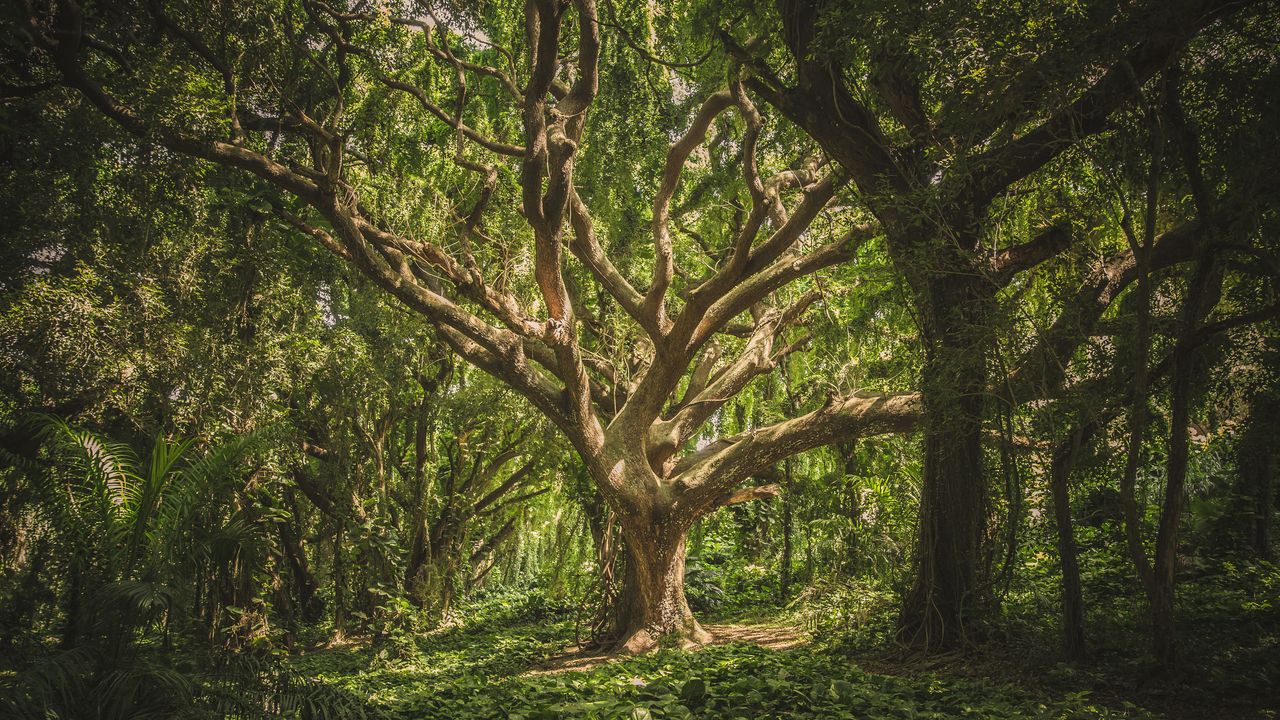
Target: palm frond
55	682
106	470
220	462
137	598
148	493
142	689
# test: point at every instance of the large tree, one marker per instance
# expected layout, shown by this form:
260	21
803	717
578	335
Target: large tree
629	247
630	394
943	116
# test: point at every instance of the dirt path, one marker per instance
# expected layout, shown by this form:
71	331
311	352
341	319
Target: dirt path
770	637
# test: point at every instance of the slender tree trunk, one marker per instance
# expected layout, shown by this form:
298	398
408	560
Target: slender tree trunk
448	576
1064	460
1163	633
309	602
1203	294
413	567
851	507
1254	493
424	425
1205	289
339	583
418	513
784	581
808	553
1141	249
1265	503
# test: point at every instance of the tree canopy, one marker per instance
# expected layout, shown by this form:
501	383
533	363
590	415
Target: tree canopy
469	295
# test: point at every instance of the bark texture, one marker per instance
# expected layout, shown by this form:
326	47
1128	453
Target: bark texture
943	607
652	604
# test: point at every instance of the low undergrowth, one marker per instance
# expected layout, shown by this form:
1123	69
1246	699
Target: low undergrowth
488	668
1228	619
483	671
731	681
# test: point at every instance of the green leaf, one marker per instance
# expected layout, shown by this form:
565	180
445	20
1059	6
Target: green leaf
694	691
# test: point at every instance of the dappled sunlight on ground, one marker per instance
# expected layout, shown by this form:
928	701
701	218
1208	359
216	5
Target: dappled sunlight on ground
769	636
523	664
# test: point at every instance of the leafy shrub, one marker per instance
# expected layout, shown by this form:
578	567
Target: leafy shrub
703	586
860	607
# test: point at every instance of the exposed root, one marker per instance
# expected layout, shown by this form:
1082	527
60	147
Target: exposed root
643	641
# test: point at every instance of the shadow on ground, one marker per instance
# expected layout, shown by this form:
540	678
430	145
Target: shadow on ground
770	637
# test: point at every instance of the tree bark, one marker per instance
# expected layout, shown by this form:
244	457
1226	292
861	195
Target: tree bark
1064	460
418	511
941	610
652	605
305	583
339	582
1264	503
784	581
1163	632
1203	295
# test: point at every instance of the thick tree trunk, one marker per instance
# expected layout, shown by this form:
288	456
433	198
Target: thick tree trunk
652	604
941	610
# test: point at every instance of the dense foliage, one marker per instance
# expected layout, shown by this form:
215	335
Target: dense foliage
357	358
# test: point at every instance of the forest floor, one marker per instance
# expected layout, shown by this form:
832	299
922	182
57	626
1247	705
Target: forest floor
524	665
518	657
771	636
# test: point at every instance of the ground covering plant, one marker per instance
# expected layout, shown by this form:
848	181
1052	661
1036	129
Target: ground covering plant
808	357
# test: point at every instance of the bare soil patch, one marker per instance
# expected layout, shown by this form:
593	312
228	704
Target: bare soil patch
771	637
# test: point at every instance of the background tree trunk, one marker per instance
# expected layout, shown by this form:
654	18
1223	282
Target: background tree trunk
309	602
784	580
1247	523
1064	460
339	582
940	611
1205	290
